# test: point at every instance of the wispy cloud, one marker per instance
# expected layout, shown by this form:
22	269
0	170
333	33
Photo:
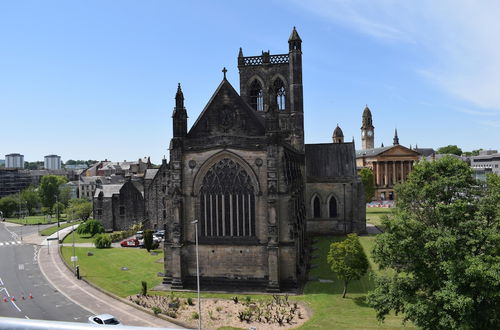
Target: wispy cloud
461	36
491	123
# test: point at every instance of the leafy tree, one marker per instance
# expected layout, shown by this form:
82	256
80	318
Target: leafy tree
473	152
31	199
450	149
90	228
33	165
49	189
9	205
64	195
79	208
366	175
442	245
348	260
148	240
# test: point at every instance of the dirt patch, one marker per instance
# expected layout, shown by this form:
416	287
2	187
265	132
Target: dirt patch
279	312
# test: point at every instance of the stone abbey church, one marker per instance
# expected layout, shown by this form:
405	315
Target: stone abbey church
244	173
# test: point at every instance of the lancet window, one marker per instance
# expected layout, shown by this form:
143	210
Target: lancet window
227	201
333	207
316	207
256	96
280	91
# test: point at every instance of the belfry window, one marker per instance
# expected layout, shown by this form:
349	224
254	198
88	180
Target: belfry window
227	201
333	207
279	89
316	207
256	96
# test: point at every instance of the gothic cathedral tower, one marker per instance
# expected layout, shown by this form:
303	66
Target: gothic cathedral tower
367	130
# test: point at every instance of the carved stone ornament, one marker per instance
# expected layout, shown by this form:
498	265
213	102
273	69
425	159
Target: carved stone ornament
226	117
192	163
259	162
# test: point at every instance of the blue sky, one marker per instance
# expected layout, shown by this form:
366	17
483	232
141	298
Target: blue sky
97	79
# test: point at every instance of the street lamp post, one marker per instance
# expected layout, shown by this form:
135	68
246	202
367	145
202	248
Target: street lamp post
195	223
57	215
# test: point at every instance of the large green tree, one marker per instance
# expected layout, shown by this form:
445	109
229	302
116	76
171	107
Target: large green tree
450	149
90	228
49	189
79	208
366	175
442	245
347	260
30	199
9	205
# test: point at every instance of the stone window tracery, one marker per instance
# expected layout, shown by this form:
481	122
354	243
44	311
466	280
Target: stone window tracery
256	96
227	201
332	206
279	89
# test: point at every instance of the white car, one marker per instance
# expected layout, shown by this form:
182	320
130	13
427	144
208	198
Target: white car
104	319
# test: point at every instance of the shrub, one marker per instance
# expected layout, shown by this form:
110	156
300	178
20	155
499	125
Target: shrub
245	315
190	301
235	299
156	309
144	289
148	240
195	315
218	308
102	241
171	314
90	227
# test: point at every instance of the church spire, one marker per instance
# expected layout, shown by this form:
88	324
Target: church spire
396	139
294	42
179	117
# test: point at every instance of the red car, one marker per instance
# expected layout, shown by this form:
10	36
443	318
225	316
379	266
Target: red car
129	242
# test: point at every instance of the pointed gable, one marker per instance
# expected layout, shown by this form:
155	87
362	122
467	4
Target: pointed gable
227	114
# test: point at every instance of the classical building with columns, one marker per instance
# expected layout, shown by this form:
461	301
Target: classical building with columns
390	165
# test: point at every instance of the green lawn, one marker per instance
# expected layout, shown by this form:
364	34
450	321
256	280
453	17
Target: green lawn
35	220
331	311
49	231
104	268
79	238
374	215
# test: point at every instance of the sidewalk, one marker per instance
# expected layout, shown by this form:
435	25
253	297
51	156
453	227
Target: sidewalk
86	296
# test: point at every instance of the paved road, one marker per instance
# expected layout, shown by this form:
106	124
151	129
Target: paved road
20	275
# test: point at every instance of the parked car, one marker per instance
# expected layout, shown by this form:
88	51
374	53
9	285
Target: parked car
130	242
157	238
160	233
104	319
139	235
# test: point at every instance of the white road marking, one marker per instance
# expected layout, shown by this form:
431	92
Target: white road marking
13	303
1	243
26	316
19	242
1	282
21	266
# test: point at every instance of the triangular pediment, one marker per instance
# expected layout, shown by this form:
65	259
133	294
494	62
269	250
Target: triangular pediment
399	150
227	114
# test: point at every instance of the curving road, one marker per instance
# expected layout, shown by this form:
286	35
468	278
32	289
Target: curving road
20	276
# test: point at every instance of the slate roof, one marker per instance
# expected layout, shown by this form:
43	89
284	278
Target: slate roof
330	160
108	190
371	152
150	173
426	152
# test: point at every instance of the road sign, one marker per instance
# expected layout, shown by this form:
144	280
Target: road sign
74	258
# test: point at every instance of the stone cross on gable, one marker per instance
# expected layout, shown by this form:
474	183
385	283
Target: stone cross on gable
224	71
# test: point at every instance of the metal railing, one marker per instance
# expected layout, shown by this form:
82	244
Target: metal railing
9	323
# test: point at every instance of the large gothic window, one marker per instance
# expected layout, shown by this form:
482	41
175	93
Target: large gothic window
333	207
256	96
280	91
316	207
227	201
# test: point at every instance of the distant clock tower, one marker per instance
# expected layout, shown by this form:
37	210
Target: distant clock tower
367	130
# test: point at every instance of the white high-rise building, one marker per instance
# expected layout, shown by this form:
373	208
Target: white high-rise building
52	162
14	161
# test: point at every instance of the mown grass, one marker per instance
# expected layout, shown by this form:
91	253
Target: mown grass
78	238
104	268
49	231
35	220
330	310
374	215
